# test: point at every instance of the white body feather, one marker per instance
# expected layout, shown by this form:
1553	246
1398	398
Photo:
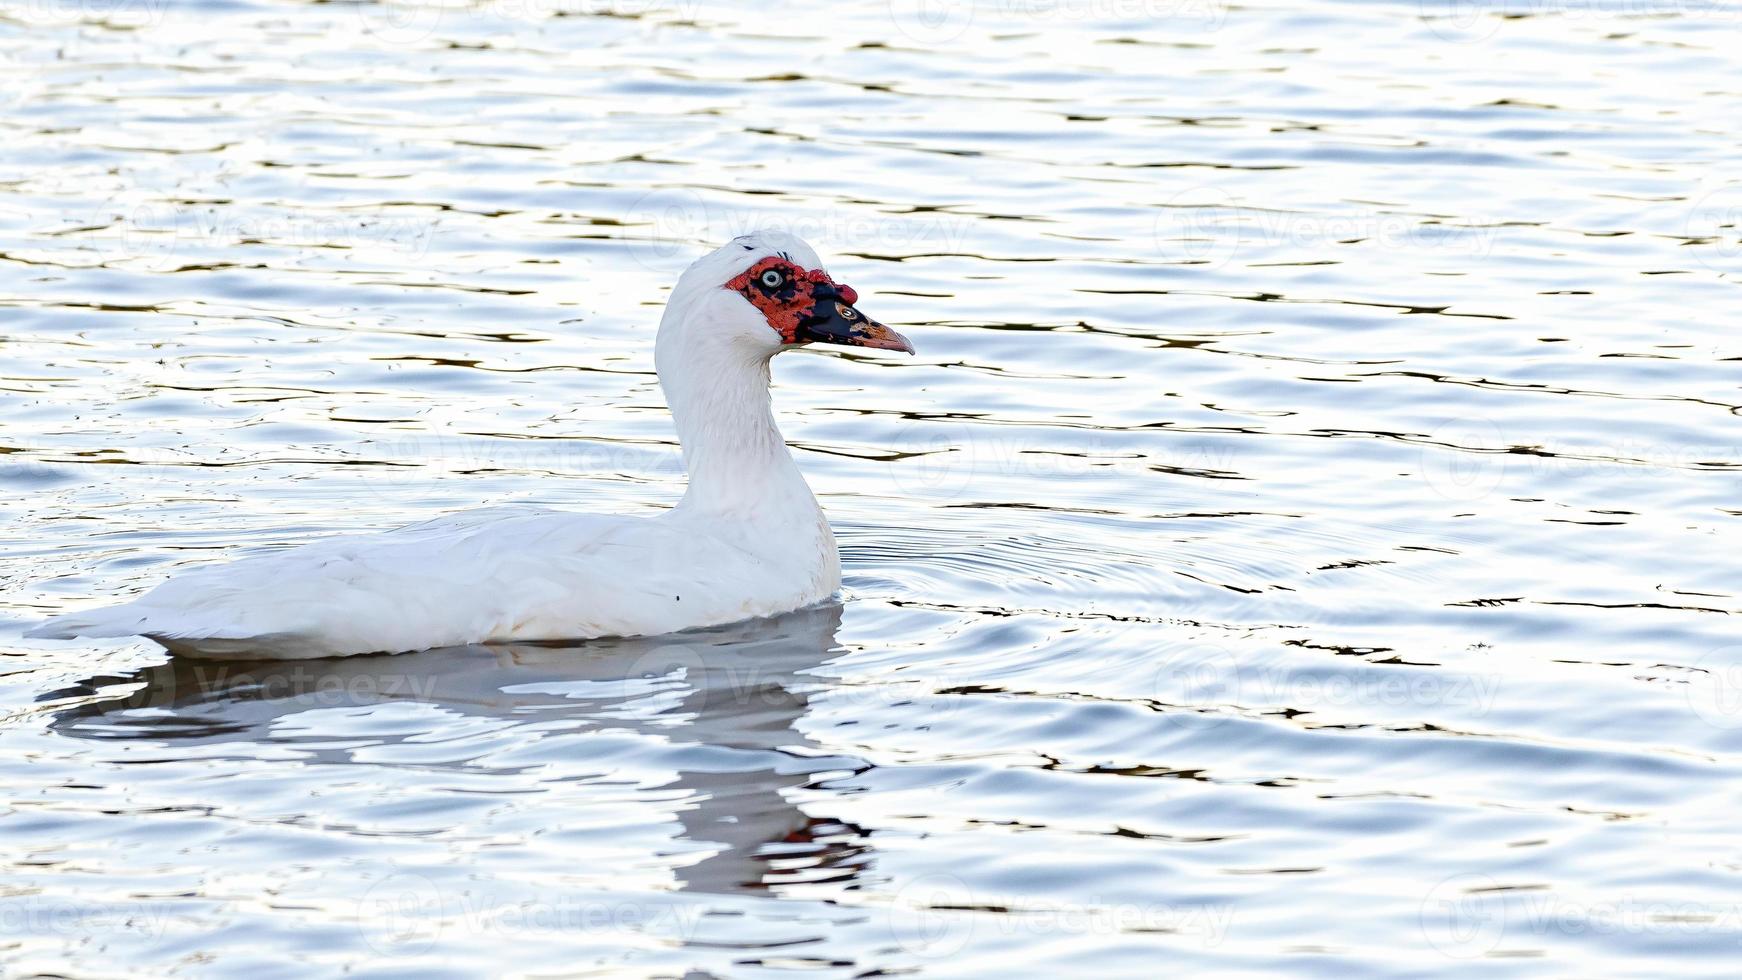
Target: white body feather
747	540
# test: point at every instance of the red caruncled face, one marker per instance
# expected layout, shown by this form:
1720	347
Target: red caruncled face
790	296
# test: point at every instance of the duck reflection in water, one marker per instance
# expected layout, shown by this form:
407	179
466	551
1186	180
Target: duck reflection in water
738	690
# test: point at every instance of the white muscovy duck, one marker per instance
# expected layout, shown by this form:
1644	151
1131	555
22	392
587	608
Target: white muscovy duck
748	538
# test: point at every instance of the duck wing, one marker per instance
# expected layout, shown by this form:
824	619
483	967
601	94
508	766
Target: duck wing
489	575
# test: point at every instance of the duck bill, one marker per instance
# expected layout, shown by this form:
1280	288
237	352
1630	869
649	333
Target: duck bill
834	321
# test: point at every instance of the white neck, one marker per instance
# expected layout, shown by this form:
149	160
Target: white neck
735	455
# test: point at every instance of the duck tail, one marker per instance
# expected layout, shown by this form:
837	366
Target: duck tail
123	620
175	633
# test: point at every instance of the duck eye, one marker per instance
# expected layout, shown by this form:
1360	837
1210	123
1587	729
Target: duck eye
773	279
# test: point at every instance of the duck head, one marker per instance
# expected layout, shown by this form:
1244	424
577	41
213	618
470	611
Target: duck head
766	292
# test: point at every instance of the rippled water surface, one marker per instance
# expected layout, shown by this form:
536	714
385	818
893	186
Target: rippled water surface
1306	540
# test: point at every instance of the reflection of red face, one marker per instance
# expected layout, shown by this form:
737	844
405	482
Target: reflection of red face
789	295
